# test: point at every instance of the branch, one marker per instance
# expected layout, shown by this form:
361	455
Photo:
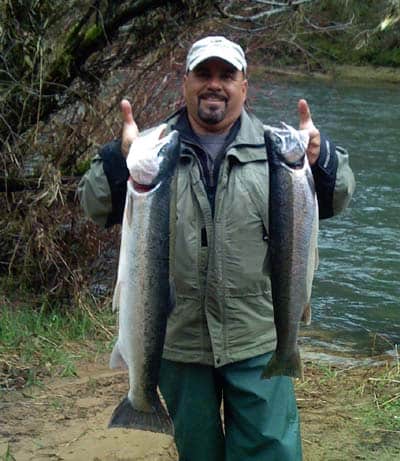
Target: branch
82	39
339	26
253	29
86	38
271	3
279	7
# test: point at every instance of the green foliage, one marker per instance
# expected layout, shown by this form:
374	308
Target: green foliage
365	40
348	32
93	33
339	9
24	51
82	166
383	49
7	455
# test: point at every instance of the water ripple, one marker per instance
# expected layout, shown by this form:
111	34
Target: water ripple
357	286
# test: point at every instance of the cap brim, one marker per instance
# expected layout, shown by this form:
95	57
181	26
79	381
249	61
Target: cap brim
218	55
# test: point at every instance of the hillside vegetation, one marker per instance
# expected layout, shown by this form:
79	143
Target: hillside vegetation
65	67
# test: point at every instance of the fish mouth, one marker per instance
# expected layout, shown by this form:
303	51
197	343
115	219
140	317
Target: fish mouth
291	143
140	188
149	161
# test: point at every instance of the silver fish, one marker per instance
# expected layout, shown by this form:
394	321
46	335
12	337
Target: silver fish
293	233
144	293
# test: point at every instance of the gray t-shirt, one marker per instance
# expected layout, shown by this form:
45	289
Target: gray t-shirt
212	145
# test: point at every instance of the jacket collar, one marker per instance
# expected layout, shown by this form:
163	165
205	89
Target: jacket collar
247	135
249	144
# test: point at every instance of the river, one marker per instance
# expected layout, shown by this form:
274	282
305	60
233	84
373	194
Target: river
356	294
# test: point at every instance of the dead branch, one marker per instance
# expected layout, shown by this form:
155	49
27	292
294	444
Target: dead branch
277	7
272	3
331	27
253	29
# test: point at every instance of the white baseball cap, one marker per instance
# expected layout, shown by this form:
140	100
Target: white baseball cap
216	47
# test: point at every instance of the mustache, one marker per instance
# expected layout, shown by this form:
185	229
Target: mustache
213	94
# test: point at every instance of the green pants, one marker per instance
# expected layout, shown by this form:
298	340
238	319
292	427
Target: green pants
260	418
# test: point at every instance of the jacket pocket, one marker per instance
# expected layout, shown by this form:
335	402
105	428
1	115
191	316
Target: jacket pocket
250	320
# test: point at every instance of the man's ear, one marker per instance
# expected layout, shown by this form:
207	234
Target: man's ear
185	77
245	85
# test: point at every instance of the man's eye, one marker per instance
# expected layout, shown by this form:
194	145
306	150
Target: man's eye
202	74
227	76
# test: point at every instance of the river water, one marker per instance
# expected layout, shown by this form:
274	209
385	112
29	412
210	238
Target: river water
356	294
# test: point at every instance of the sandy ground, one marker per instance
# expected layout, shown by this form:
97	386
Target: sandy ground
66	419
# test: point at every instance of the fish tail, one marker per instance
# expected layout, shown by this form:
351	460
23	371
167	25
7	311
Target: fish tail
278	366
306	317
126	416
116	359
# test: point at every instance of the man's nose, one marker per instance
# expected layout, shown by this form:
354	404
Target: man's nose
214	82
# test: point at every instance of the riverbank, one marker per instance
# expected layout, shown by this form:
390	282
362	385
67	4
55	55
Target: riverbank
362	74
347	413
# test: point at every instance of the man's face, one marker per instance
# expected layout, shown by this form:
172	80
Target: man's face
215	92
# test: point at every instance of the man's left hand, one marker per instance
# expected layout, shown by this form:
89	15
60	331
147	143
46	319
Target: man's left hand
306	123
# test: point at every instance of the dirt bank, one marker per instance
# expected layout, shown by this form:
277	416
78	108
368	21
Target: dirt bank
65	419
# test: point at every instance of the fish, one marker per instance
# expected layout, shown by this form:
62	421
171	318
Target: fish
144	294
293	237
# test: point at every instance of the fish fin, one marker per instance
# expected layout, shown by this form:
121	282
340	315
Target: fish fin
306	316
116	359
116	297
284	367
316	260
125	415
129	210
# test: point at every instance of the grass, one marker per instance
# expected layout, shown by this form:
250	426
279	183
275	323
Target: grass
48	341
383	409
351	412
376	389
7	455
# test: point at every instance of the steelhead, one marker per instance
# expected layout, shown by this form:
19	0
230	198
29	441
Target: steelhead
144	293
293	231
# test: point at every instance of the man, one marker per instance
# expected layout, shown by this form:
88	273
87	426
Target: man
221	333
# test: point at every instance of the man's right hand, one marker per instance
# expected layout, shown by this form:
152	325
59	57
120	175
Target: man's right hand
130	130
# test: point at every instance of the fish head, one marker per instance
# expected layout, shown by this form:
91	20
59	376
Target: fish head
286	144
168	156
152	156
